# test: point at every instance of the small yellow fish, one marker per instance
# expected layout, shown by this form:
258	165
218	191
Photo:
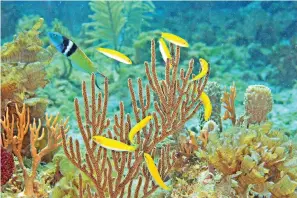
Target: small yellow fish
207	105
204	69
175	39
164	50
138	127
113	144
154	171
115	55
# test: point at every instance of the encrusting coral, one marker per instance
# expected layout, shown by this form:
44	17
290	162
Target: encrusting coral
14	139
176	104
258	103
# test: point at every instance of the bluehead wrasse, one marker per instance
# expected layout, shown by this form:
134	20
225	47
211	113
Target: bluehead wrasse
175	39
115	55
138	127
76	56
154	171
113	144
207	105
204	69
164	50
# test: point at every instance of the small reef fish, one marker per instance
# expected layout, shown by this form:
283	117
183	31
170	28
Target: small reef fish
113	144
74	54
115	55
175	39
154	171
138	127
204	69
207	105
164	50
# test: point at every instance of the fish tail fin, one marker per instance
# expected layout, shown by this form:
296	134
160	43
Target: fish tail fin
98	76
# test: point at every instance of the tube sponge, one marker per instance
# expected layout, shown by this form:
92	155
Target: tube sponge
258	103
7	165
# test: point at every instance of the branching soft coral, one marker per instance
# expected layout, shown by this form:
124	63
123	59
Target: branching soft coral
14	139
176	103
229	104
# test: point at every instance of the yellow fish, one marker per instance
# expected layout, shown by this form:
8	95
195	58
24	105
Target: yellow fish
207	105
154	171
115	55
113	144
164	50
138	127
204	69
175	39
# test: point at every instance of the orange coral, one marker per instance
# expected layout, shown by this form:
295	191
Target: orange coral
229	104
23	126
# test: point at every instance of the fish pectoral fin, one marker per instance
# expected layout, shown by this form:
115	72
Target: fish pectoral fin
98	81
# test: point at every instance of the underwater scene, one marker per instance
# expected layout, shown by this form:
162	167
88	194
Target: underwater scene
152	99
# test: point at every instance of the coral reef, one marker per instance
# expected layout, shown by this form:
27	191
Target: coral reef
176	104
27	22
7	165
22	121
22	64
258	103
262	159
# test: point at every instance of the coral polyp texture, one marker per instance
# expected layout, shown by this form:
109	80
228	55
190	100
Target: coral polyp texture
258	103
7	165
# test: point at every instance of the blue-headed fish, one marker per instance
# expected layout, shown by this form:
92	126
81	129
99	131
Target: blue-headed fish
76	56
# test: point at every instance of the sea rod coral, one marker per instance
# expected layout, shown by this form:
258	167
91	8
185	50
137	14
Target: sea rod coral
113	177
15	141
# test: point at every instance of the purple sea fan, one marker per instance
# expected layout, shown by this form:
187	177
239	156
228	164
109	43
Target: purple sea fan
7	165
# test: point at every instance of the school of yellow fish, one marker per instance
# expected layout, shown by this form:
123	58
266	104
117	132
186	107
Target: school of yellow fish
118	146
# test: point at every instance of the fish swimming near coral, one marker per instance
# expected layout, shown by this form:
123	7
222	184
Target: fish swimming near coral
175	39
115	55
113	144
76	56
204	69
138	127
154	171
164	50
207	105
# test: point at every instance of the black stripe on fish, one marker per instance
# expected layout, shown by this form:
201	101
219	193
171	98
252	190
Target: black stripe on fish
72	49
65	44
